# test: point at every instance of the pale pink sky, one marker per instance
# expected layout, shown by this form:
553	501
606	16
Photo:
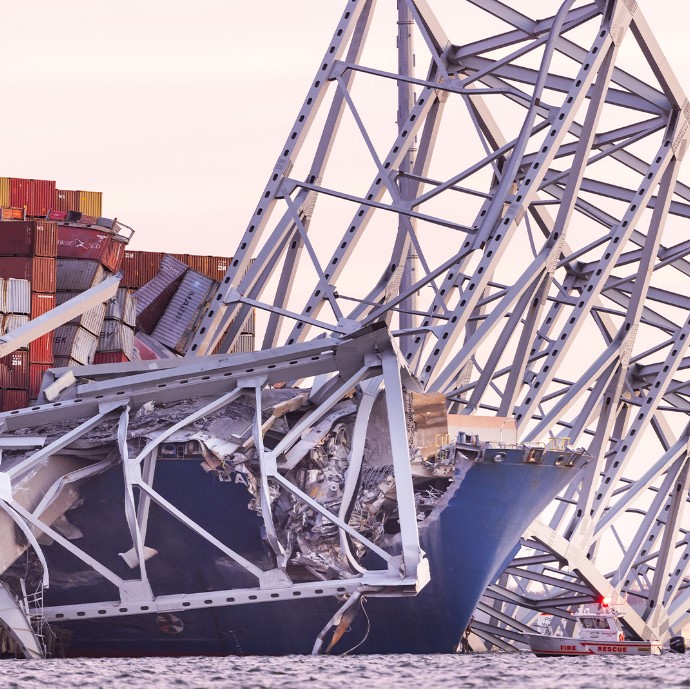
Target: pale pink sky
175	110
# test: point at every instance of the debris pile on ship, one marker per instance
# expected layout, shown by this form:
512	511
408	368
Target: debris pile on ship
198	506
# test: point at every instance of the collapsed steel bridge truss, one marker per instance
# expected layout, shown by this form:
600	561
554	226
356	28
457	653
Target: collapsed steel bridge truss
115	396
523	230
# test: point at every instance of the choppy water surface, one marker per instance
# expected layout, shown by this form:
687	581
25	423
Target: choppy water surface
397	671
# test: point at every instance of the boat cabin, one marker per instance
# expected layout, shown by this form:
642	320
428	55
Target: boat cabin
599	625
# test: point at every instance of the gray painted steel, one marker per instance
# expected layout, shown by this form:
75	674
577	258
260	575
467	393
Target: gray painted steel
534	175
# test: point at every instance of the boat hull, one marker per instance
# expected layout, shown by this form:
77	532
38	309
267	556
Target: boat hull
467	538
547	645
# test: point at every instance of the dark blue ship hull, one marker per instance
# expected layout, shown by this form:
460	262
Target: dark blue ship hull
469	536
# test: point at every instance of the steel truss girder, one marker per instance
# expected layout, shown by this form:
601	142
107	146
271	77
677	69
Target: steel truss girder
554	260
367	357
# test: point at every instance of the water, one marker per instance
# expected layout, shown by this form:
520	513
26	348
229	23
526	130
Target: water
395	671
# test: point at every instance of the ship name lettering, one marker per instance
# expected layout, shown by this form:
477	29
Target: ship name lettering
568	648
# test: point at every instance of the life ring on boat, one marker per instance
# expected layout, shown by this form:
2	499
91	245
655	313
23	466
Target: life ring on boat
169	623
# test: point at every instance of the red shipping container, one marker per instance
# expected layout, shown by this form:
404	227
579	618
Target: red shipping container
14	399
41	349
19	192
57	215
218	267
41	302
110	357
40	270
41	196
114	253
81	243
201	264
29	238
66	200
14	370
36	372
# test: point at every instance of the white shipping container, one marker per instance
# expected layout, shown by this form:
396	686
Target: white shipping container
183	310
12	321
91	320
17	296
80	274
122	307
74	342
116	336
244	343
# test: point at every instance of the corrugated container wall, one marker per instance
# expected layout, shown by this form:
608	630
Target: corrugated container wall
81	243
174	326
41	349
41	197
66	200
116	337
12	214
110	358
91	320
153	298
10	322
244	343
39	270
19	192
149	348
5	192
29	238
42	302
140	268
74	342
115	253
14	399
78	274
122	307
36	373
14	370
91	203
17	296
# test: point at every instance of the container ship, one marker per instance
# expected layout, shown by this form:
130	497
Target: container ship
156	504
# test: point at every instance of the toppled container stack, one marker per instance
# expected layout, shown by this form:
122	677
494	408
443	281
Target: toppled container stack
54	245
172	292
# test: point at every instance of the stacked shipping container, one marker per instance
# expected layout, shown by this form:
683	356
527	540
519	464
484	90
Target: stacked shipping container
28	251
44	263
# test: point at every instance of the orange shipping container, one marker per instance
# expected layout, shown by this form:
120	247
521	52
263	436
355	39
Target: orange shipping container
12	214
42	302
41	349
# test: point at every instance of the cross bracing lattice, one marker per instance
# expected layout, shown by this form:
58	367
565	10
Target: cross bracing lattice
521	225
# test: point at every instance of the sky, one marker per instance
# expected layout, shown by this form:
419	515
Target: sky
175	110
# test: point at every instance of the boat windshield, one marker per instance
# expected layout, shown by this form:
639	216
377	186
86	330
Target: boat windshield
592	622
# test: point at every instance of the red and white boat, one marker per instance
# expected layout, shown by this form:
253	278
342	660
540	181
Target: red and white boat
597	632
